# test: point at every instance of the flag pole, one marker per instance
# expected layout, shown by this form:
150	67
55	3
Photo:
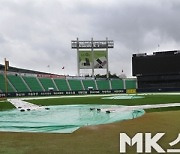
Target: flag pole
63	68
158	47
5	75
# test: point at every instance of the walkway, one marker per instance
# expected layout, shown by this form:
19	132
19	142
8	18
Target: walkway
25	106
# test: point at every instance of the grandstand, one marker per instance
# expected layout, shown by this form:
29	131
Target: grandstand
19	83
24	81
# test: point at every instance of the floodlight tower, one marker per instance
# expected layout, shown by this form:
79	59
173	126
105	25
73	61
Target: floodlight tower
92	54
6	67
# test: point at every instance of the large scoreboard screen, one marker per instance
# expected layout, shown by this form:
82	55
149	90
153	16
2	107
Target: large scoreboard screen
159	63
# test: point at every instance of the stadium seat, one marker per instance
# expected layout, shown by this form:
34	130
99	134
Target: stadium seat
47	83
18	83
61	84
130	84
32	83
2	85
89	83
75	84
117	84
103	84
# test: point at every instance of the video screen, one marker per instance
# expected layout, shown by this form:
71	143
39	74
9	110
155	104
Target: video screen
156	64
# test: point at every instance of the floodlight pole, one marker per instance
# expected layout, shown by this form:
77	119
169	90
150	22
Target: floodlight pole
5	75
107	73
92	45
92	50
78	69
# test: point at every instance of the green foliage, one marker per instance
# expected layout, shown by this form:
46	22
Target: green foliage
105	76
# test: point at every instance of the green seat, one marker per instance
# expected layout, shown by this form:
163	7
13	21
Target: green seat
47	83
103	84
18	84
32	83
117	84
89	83
2	85
61	84
130	84
75	84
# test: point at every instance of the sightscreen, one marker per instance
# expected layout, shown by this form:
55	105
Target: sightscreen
155	64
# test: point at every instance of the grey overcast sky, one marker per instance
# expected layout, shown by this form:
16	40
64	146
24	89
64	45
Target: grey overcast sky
38	33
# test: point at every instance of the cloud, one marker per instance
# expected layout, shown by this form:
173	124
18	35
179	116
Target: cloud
35	34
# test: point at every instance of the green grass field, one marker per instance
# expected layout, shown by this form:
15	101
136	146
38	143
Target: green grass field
96	139
149	99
